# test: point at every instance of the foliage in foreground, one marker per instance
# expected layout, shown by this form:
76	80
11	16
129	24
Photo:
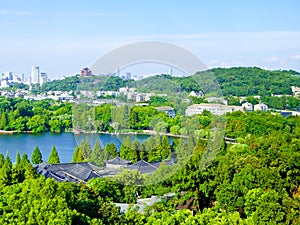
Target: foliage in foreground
253	182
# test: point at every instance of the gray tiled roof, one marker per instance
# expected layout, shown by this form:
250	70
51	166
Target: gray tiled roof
76	172
146	167
117	161
84	171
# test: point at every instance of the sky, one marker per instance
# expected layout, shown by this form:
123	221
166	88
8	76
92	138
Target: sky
62	37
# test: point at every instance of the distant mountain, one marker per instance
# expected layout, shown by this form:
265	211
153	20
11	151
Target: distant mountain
237	81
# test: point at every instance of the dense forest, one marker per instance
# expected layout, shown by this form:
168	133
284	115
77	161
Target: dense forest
21	115
253	182
93	83
241	81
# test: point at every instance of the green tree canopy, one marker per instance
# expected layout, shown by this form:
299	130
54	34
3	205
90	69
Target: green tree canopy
36	157
53	157
97	156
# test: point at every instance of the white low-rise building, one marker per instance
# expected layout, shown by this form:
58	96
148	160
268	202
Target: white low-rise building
262	107
216	109
197	94
295	90
247	106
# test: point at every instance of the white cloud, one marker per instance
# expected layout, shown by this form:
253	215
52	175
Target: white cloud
18	23
93	14
297	56
14	13
272	59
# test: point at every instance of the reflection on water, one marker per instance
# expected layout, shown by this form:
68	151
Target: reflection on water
65	143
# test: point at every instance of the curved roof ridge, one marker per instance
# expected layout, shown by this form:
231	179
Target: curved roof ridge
139	164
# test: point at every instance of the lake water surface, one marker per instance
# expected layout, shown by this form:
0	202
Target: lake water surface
65	143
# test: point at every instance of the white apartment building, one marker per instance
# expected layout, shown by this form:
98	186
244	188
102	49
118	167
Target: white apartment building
35	75
216	109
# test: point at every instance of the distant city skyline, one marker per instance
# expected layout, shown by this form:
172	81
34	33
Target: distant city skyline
62	37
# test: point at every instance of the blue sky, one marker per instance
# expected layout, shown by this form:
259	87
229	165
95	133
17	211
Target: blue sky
63	36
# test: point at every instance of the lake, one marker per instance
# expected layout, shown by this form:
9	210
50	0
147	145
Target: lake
65	143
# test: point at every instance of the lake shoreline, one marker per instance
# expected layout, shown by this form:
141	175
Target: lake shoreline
10	132
65	143
145	132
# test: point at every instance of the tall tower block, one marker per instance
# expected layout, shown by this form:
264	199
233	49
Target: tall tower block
35	75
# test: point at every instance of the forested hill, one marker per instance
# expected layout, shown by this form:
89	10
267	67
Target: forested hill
245	81
242	81
237	81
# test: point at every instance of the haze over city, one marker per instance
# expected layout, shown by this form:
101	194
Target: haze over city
62	37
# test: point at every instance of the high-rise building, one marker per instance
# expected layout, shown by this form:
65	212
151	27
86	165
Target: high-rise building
128	76
43	78
8	75
35	75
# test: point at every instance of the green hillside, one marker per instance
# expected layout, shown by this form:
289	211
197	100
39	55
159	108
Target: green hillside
237	81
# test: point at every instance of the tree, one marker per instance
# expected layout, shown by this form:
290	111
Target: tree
77	156
30	172
166	148
18	159
3	121
137	148
158	101
24	160
191	143
155	154
97	156
111	149
264	207
6	173
24	109
133	217
106	188
55	125
252	100
37	124
195	180
2	160
84	150
131	179
36	157
126	151
53	157
18	171
19	124
175	129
